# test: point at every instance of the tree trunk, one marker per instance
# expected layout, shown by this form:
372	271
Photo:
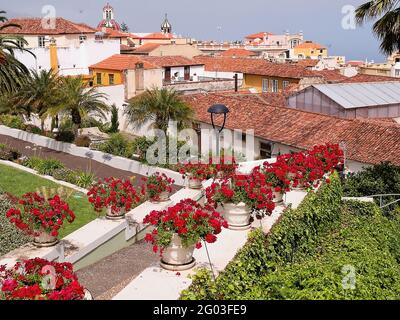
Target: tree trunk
76	120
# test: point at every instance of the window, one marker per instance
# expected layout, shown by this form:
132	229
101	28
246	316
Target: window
110	79
82	39
264	85
397	73
98	78
244	136
41	41
285	84
265	150
275	85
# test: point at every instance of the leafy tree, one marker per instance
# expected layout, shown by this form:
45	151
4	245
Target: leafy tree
12	71
39	93
124	27
79	102
387	25
158	106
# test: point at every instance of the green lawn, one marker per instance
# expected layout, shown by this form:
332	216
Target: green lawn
18	182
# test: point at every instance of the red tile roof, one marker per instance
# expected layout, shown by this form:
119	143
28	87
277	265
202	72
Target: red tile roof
332	76
255	66
147	47
170	61
258	35
309	45
367	141
111	33
235	52
34	26
368	78
121	62
153	36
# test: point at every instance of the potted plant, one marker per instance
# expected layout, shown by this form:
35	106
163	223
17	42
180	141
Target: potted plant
276	177
39	279
196	172
41	218
178	230
239	196
157	187
223	167
116	195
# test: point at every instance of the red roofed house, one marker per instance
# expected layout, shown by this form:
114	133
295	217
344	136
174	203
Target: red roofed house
237	52
310	50
38	31
160	49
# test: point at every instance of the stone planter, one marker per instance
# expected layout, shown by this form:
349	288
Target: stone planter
176	257
44	239
163	197
110	215
237	215
278	197
195	183
88	295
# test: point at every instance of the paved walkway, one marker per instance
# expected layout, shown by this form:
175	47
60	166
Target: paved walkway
106	278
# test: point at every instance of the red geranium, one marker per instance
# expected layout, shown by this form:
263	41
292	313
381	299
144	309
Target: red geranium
35	214
119	195
156	184
190	220
39	279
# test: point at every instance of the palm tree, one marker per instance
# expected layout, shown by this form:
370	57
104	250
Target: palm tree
158	106
12	72
39	93
79	102
387	27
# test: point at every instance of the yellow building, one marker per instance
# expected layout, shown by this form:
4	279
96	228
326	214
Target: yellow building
275	77
310	50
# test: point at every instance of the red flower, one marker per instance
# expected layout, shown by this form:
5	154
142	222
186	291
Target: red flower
210	238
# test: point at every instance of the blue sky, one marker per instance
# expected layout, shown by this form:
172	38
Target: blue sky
320	20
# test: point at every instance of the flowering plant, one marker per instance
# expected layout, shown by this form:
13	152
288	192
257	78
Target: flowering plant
249	189
156	184
223	167
119	195
191	221
39	279
330	156
196	170
35	214
276	174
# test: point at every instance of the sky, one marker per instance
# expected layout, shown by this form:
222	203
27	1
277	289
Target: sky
322	21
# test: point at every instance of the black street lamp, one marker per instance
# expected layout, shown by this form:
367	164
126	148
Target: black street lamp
217	109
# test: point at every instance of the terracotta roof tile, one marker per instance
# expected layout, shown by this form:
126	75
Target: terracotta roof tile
256	66
153	36
332	76
309	45
121	62
236	52
147	47
34	26
170	61
368	78
259	35
367	141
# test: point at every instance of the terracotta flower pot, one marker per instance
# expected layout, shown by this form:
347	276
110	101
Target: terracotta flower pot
177	257
237	215
110	215
44	239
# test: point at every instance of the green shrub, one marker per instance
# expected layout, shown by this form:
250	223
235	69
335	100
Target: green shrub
83	141
33	129
114	125
117	145
65	136
65	174
85	179
48	166
10	237
11	121
294	236
32	162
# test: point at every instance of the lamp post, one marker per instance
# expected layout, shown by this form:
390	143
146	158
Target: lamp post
217	109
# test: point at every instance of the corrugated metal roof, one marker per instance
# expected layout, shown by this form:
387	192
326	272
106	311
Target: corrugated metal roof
358	95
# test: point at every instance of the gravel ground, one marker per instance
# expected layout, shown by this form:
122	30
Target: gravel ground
109	276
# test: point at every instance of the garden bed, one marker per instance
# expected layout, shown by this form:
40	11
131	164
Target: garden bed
18	182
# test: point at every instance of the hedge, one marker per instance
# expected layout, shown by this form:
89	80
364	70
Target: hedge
296	234
10	237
